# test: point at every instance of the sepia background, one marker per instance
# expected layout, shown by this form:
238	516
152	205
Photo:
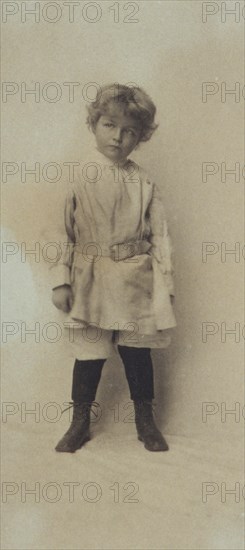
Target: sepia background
172	49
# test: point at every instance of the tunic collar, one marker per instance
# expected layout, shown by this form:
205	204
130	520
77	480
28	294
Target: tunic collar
105	161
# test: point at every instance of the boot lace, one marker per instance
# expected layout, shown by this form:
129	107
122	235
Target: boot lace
94	407
151	409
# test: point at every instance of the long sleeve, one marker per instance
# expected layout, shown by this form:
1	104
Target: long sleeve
161	243
60	270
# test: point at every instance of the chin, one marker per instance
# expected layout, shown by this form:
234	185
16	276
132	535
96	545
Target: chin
115	156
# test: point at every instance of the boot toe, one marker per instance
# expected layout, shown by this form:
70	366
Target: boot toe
64	448
154	442
70	445
156	445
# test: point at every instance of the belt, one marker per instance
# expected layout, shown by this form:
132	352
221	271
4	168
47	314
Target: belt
93	251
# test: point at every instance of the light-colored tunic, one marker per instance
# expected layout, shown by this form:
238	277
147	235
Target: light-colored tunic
107	205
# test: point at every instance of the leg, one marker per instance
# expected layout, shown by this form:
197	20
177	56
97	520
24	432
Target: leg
85	381
139	372
86	377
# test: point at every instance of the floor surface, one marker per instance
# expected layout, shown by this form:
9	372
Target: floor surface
113	494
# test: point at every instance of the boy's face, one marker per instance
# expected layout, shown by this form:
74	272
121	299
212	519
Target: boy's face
116	134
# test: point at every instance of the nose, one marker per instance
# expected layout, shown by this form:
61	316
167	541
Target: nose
117	135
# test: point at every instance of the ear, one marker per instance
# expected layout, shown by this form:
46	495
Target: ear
139	139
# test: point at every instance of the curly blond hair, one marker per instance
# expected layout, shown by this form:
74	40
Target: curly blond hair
135	102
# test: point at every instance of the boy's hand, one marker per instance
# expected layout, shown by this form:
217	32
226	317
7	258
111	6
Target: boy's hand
62	298
172	299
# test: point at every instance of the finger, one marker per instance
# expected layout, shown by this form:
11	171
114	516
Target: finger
70	302
65	307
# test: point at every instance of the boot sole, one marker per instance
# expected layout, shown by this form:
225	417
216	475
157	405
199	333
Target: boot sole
74	449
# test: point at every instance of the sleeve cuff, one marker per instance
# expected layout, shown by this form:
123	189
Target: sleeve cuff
169	283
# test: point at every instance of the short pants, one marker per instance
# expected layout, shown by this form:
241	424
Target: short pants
93	342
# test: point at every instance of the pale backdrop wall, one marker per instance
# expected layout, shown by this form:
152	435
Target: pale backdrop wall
170	52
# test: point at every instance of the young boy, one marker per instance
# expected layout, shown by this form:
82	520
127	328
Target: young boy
116	268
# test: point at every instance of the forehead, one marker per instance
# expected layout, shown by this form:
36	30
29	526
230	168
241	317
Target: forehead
117	113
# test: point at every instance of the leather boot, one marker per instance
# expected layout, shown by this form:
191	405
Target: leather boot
86	377
78	432
146	427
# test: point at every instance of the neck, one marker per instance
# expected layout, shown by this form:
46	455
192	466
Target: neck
120	162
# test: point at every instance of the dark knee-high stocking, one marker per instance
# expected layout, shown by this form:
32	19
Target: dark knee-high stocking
139	372
85	381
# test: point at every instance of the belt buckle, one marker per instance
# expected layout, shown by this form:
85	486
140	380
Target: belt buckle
117	251
113	252
123	251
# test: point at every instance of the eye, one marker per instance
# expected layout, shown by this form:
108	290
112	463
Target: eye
130	132
108	124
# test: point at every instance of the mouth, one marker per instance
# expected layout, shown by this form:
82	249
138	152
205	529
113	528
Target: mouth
114	146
